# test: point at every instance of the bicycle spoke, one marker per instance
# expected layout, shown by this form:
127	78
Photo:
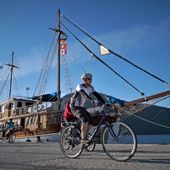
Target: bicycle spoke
119	141
70	142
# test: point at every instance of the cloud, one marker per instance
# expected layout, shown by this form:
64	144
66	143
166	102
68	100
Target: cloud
28	64
138	37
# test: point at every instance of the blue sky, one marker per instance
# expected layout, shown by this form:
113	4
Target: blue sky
138	30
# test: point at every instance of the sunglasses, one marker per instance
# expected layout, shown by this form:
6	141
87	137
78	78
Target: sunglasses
88	79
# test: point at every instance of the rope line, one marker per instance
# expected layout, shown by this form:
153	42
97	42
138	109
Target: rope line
43	75
67	76
77	61
149	121
44	82
16	85
145	107
101	61
116	54
4	83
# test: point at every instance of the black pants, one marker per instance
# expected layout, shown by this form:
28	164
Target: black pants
82	114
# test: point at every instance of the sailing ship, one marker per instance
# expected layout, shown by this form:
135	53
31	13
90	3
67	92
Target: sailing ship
42	114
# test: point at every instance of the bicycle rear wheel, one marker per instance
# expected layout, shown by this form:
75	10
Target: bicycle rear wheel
119	141
70	142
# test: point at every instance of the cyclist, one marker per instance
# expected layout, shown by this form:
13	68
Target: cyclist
9	128
78	101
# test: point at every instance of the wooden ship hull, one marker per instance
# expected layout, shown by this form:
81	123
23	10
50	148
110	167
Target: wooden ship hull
31	119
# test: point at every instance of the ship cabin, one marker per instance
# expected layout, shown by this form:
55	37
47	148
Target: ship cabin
30	114
16	108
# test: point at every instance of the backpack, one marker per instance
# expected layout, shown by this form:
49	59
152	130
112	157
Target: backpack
68	115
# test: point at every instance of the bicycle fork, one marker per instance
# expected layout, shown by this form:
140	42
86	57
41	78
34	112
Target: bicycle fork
116	138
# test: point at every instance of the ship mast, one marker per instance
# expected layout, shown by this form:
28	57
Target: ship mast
58	68
60	33
11	74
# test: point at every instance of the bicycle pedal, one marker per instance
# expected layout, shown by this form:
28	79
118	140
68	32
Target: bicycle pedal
85	145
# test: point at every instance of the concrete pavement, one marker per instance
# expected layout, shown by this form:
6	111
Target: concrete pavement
48	156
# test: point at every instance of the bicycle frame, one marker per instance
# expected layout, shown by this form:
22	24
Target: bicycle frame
104	121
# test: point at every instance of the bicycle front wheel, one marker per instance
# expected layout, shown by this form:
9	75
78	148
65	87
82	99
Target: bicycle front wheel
12	138
70	142
119	141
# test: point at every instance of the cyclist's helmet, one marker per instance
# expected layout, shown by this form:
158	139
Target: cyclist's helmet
86	75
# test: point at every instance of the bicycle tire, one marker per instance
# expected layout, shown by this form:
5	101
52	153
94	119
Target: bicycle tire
70	142
91	146
119	141
12	138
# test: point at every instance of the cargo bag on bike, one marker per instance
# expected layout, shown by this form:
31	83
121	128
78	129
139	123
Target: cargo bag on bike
68	115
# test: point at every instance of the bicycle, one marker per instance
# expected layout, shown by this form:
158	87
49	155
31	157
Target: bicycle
9	135
117	138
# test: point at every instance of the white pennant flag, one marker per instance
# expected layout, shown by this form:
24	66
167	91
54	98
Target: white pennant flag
103	50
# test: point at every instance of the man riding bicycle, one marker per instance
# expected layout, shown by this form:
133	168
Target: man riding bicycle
9	128
77	103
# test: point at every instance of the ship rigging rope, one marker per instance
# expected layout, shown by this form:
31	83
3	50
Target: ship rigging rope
77	61
116	54
44	67
101	61
48	65
67	75
43	75
44	82
139	107
4	83
149	121
16	84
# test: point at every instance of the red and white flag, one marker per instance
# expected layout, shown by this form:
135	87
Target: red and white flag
63	46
